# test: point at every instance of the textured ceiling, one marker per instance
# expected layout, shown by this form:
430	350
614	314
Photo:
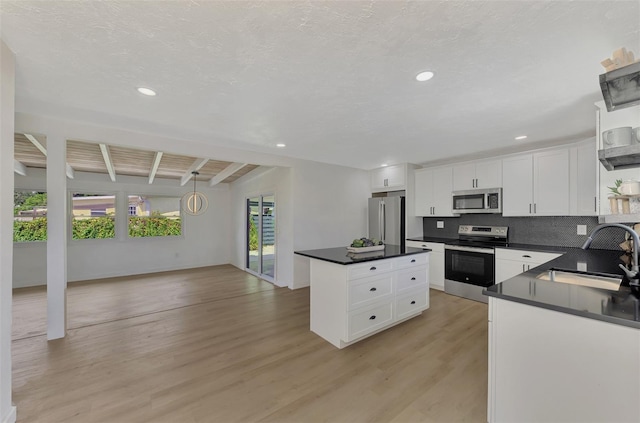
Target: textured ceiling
332	80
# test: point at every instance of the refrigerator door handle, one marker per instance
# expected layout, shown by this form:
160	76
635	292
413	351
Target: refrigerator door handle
384	223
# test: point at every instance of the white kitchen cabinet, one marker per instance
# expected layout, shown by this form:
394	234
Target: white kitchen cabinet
433	188
478	174
389	178
536	184
510	262
352	302
584	179
549	366
436	262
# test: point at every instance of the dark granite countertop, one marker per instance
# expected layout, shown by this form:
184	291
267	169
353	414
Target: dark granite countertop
340	255
619	307
432	239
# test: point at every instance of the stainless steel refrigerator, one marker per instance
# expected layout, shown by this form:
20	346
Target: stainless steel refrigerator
386	220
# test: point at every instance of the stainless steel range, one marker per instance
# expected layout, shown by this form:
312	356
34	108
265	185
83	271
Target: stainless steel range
469	261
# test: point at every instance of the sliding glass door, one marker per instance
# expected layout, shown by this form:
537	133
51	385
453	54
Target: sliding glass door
261	236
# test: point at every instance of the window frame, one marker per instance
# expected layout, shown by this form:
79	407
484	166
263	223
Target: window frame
38	242
70	238
155	237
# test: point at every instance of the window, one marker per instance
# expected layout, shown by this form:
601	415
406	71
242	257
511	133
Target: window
93	216
29	216
154	216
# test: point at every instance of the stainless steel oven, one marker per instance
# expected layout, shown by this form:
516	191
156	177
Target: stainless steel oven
469	262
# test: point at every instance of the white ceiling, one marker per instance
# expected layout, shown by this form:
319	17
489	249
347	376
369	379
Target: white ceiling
335	81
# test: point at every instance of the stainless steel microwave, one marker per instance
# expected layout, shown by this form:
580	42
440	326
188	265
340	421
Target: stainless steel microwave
477	201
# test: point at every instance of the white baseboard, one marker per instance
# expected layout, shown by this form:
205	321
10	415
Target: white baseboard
11	417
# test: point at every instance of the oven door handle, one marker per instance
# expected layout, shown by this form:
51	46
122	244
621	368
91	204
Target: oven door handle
470	249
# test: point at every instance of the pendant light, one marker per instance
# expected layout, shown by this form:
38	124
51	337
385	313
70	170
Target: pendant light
194	203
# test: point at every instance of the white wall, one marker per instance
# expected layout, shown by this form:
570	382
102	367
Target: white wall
7	97
317	206
277	181
205	239
330	210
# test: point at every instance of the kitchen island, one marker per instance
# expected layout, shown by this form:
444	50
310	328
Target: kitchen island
564	352
356	295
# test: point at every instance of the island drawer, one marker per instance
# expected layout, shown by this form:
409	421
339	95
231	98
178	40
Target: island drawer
411	278
411	260
411	303
369	290
370	268
370	319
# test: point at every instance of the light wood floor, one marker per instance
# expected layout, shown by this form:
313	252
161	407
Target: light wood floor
218	345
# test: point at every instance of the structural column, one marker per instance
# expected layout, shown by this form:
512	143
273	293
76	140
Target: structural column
7	113
56	236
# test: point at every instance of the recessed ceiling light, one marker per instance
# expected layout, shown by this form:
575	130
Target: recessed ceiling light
146	91
384	165
424	76
280	145
521	137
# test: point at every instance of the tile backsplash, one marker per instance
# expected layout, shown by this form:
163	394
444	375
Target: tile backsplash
554	231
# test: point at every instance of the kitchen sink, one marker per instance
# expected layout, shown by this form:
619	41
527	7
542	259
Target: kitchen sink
609	282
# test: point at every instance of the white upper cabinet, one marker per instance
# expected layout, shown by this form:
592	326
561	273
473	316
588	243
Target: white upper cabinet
536	184
389	178
433	188
480	174
584	179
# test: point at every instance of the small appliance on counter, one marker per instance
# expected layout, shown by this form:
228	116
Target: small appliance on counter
469	262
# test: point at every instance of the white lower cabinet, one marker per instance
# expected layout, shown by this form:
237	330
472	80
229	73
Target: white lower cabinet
351	302
436	262
509	262
549	366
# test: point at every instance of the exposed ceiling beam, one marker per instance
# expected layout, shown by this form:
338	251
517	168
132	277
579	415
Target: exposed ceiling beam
19	168
36	143
197	165
43	150
70	172
228	171
106	155
154	167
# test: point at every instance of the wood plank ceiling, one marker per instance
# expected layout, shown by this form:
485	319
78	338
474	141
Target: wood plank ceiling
88	157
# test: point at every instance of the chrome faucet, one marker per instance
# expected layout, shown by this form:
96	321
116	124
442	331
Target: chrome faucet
633	273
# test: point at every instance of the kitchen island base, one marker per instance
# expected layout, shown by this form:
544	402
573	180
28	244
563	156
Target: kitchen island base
549	366
350	303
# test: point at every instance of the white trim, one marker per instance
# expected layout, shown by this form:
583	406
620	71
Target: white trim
43	150
19	168
224	174
154	167
106	155
36	143
196	166
70	172
11	417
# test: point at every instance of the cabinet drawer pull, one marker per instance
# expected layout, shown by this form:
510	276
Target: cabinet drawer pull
372	317
413	302
373	289
526	255
372	268
413	260
413	279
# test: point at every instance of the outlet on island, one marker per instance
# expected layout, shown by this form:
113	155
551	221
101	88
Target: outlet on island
440	224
